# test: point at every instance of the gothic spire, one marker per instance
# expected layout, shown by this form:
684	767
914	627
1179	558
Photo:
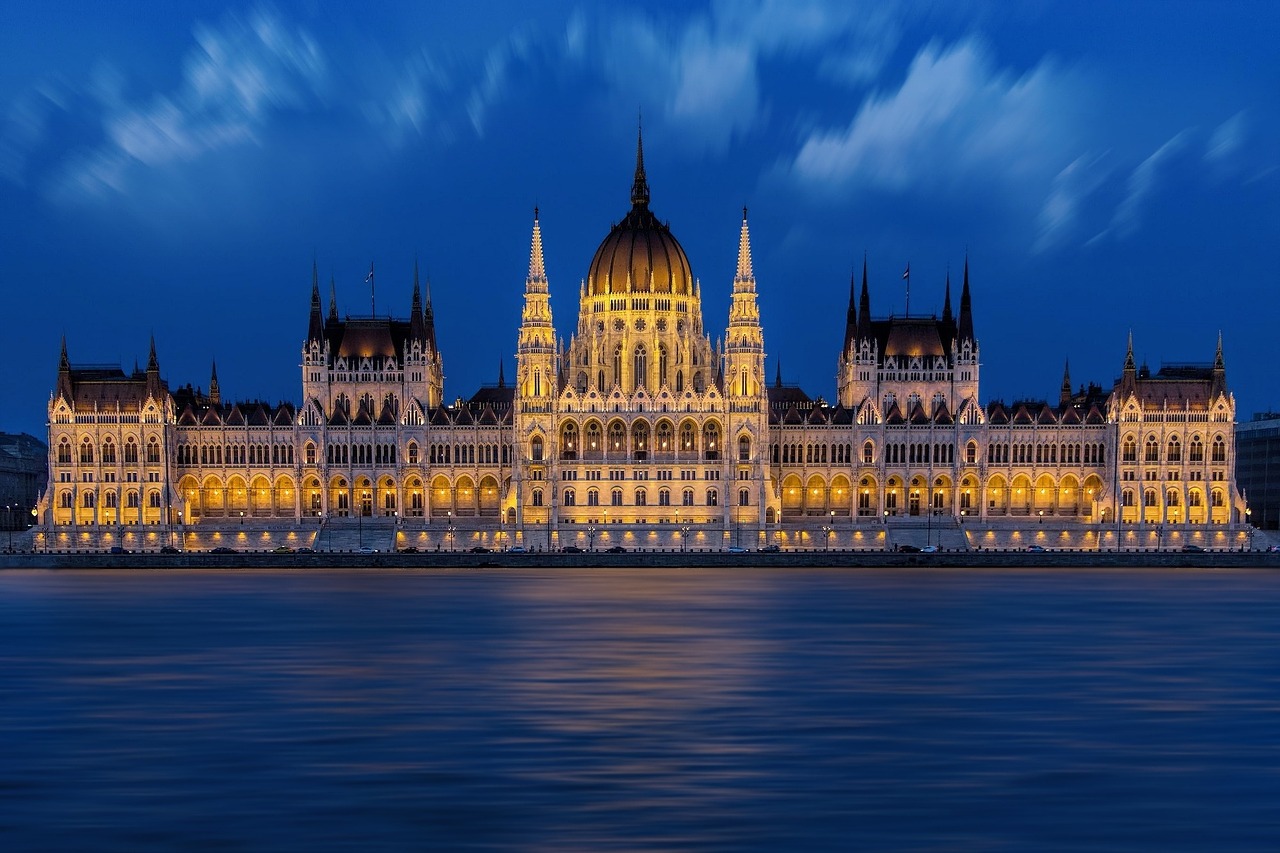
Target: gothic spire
64	363
1064	394
429	319
315	325
64	373
778	378
537	267
1219	371
153	364
965	324
1129	365
744	253
417	328
333	300
851	315
640	186
1218	363
946	302
864	306
502	380
215	396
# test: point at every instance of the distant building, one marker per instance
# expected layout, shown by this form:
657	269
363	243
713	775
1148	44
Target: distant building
1258	468
24	474
642	422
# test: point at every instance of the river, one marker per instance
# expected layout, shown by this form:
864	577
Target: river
640	709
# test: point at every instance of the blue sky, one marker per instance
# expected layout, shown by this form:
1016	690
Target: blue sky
173	169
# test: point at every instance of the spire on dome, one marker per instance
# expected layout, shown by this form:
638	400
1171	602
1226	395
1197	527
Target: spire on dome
640	186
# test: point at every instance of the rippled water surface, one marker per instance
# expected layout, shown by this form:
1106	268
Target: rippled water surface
640	709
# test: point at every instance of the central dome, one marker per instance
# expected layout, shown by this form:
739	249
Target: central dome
640	255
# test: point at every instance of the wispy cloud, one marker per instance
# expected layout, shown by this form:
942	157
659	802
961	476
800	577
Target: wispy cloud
239	75
1226	140
955	120
1060	216
1143	183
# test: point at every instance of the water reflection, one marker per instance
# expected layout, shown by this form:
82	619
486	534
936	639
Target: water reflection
608	709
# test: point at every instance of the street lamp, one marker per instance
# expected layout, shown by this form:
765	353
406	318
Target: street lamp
1041	516
8	523
591	537
826	536
449	527
684	535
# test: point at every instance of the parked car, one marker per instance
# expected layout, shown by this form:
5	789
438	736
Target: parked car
1192	549
571	549
168	549
222	549
480	549
909	549
770	549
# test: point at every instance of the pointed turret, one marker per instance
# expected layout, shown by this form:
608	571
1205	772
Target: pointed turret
964	330
429	319
153	363
864	307
215	395
744	252
946	301
502	379
536	357
64	373
1129	365
333	300
155	388
1064	393
777	379
417	326
1219	371
315	324
851	315
640	186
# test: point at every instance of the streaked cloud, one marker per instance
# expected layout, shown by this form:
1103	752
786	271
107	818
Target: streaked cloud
1143	183
1226	139
1059	219
239	75
956	120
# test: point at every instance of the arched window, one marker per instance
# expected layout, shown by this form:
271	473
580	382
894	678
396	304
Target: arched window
600	381
131	500
616	435
109	500
108	452
153	452
413	453
744	497
615	497
64	452
640	364
535	451
640	439
1196	452
65	500
1149	498
868	453
711	441
642	497
713	497
744	448
664	497
153	500
1175	450
88	501
1218	498
1126	497
662	365
1152	452
86	452
1129	449
679	381
617	364
569	441
1219	449
593	497
536	497
570	499
686	497
971	453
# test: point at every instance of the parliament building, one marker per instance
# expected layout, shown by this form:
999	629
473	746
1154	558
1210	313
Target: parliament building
641	432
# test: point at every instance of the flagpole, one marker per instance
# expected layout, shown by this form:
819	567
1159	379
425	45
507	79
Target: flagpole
907	276
373	310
